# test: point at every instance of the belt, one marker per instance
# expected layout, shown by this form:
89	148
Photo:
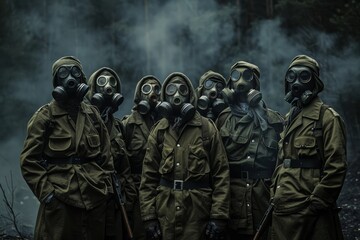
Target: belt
70	160
237	171
179	185
302	163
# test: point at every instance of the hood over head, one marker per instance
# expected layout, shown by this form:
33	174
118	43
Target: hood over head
255	69
192	93
206	76
67	60
95	75
142	81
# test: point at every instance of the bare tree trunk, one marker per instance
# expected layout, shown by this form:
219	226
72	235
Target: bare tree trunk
147	36
238	19
269	8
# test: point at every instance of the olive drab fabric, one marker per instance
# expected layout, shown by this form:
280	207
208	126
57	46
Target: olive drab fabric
251	152
252	157
83	186
136	132
305	197
80	190
189	156
118	146
120	158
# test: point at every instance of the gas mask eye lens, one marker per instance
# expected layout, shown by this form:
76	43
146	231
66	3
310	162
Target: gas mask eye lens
183	90
146	88
247	75
235	75
290	76
101	81
171	89
304	76
157	89
75	71
112	81
63	72
208	84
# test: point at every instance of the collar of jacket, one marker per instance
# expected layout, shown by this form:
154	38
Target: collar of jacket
312	110
135	118
195	121
56	110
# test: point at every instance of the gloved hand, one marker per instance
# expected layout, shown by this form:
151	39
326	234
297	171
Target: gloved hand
152	229
216	229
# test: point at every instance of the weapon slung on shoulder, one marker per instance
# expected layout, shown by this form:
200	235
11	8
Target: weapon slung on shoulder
264	221
121	203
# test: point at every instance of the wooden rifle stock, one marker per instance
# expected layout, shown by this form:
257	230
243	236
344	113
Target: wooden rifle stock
121	204
264	221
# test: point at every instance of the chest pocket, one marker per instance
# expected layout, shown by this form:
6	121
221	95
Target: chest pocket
305	146
167	160
59	143
198	161
93	141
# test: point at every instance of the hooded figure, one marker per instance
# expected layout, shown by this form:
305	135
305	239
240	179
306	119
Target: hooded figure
311	165
250	133
66	160
105	94
137	129
184	191
210	101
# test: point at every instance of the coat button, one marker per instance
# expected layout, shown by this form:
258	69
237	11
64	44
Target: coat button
178	208
178	145
253	140
177	164
247	185
248	157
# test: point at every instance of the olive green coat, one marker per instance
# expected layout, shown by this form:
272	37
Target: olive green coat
136	132
304	197
83	186
191	155
249	149
118	147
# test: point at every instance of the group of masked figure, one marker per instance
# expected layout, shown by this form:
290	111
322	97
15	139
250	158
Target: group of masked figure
193	164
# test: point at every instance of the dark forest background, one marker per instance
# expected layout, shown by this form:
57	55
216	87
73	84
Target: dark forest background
138	38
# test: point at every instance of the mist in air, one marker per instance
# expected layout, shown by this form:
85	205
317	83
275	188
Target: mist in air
137	38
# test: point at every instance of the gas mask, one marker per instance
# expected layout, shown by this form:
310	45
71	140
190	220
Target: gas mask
242	88
150	94
210	104
300	84
176	102
106	93
69	86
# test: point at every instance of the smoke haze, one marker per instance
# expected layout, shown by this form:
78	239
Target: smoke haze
138	38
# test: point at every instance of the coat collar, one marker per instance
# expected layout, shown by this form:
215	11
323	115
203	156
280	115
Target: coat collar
57	110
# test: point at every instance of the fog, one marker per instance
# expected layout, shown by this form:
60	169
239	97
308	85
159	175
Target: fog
138	38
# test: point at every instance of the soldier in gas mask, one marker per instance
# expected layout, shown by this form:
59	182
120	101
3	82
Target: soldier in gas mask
184	191
311	165
250	133
137	129
210	102
66	160
105	94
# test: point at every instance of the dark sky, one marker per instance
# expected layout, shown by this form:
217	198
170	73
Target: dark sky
135	42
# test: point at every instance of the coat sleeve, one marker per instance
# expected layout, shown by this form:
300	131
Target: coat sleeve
150	178
33	172
220	176
335	165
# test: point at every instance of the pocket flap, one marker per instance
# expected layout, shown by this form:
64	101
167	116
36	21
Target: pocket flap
59	143
93	140
304	142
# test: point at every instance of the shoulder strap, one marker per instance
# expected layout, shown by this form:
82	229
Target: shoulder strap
205	133
94	118
318	133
